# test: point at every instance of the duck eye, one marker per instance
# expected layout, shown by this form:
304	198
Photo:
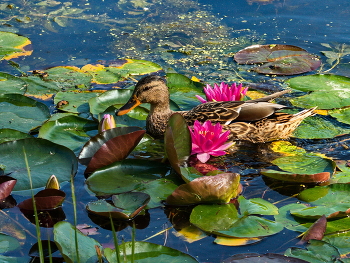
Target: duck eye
146	88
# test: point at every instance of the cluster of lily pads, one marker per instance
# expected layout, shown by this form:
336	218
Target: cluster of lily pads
124	167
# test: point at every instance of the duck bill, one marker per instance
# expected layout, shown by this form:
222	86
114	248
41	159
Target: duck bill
131	104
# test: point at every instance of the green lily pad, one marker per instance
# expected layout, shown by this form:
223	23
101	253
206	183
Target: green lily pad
11	84
21	113
11	135
38	86
317	252
281	59
285	217
75	102
207	189
331	200
183	90
256	206
148	253
124	176
64	235
68	78
158	190
8	243
328	91
252	226
212	218
125	206
70	131
112	97
139	67
342	115
177	141
12	45
301	166
45	158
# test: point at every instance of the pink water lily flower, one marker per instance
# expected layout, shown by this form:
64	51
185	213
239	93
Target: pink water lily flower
208	139
106	123
224	92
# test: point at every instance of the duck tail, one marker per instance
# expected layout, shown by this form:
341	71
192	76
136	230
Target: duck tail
304	114
270	97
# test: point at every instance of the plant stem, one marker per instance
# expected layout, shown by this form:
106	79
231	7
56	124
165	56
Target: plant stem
75	215
37	226
115	239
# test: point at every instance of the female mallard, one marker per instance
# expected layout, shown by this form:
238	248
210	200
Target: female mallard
253	120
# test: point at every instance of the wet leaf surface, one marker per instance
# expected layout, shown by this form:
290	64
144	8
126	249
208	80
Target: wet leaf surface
7	183
279	59
207	189
44	200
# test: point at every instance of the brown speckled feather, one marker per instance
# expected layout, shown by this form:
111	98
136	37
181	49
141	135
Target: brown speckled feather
254	120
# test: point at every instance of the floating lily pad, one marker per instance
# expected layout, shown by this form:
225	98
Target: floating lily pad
319	127
12	46
207	189
328	91
279	59
45	199
285	217
256	206
125	176
177	141
64	234
331	201
7	183
70	131
11	135
317	252
125	206
37	86
104	75
75	102
265	258
236	241
44	158
68	78
21	113
96	142
11	84
342	115
8	243
183	90
147	252
115	149
300	166
158	190
112	97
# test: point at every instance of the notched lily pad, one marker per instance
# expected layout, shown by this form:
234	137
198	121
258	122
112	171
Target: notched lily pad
265	258
113	150
12	46
331	201
279	59
124	206
44	200
220	188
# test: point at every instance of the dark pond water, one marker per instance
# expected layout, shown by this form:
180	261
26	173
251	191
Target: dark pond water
234	25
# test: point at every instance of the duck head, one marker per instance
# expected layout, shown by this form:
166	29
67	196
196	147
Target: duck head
150	89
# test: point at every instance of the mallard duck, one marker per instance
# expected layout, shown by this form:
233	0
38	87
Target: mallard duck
254	120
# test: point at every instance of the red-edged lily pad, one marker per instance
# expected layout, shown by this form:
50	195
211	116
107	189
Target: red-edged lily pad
109	146
316	231
279	59
45	199
220	188
124	206
6	185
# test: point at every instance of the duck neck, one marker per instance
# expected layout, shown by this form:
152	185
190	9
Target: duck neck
157	119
